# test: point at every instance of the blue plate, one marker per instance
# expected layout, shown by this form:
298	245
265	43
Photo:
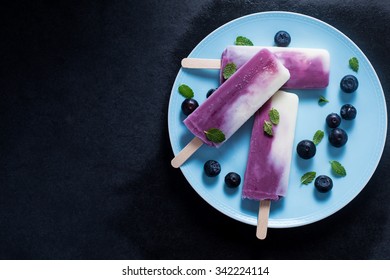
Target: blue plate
360	156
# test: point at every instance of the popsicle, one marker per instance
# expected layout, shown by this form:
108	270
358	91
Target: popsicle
309	68
234	102
268	167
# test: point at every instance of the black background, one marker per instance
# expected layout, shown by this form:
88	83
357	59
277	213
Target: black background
84	150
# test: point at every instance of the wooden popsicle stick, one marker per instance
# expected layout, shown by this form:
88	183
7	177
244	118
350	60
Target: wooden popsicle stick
201	63
187	151
262	219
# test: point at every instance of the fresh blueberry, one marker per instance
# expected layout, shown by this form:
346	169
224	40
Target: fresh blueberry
282	39
348	112
212	168
333	120
306	149
210	92
232	180
189	105
323	183
349	83
338	137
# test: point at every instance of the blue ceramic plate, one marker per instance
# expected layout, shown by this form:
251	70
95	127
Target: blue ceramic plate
360	156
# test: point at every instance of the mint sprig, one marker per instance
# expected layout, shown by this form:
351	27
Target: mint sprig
267	127
337	168
322	100
229	70
308	177
243	41
318	137
215	135
354	64
274	116
186	91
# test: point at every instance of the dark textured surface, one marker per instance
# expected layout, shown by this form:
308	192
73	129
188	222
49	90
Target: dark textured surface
84	150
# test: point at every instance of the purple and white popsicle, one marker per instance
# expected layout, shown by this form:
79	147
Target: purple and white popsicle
236	100
309	68
268	166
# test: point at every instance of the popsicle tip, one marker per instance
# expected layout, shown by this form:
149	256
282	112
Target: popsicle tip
262	220
186	152
262	234
200	63
175	163
183	62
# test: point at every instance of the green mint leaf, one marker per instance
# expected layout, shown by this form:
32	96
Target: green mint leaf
215	135
243	41
337	168
354	64
322	100
267	127
229	70
186	91
308	177
274	116
318	137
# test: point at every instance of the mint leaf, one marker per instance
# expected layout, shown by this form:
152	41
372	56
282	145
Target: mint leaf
243	41
354	64
229	70
186	91
267	127
337	168
322	100
274	116
308	177
215	135
318	137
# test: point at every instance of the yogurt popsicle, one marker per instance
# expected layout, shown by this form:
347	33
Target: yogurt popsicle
268	167
236	100
309	68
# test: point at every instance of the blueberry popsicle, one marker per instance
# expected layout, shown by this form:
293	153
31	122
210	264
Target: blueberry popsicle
268	167
234	102
309	68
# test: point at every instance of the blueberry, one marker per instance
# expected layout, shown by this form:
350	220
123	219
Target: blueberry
333	120
212	168
282	39
338	137
348	112
323	183
210	92
349	83
232	180
306	149
189	105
